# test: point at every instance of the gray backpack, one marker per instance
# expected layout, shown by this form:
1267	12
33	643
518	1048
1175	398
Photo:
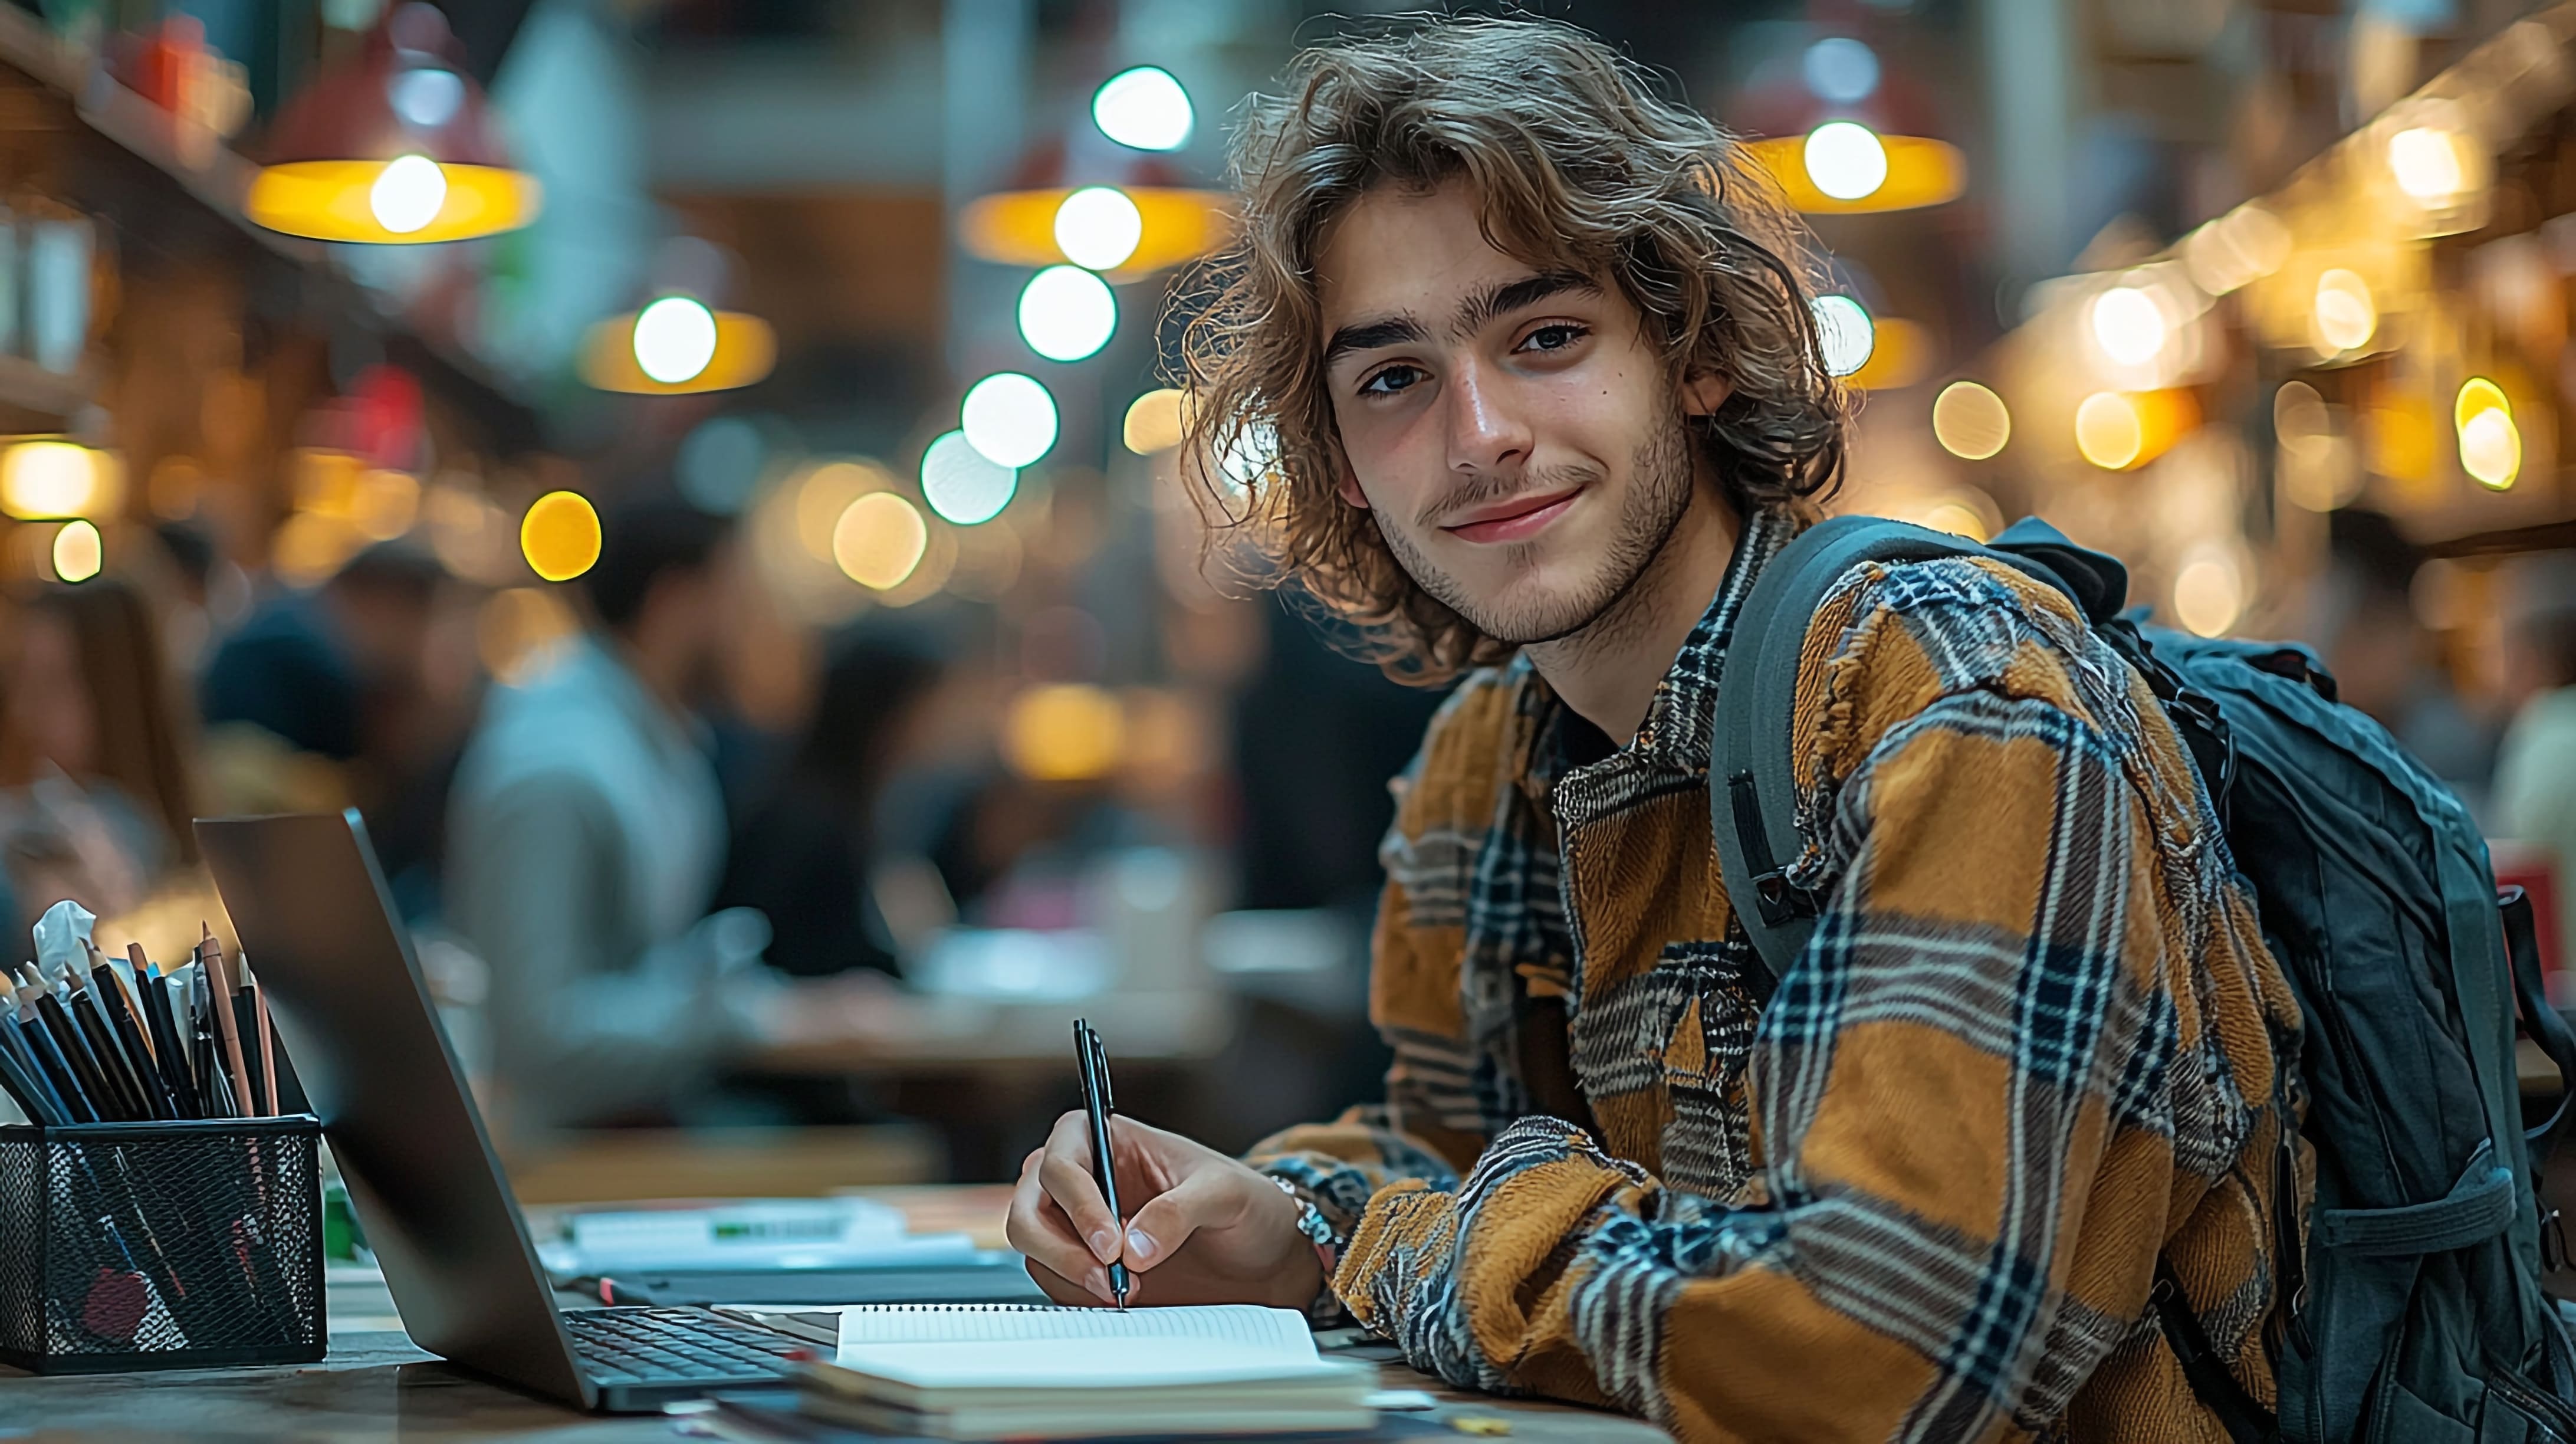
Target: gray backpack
2416	1312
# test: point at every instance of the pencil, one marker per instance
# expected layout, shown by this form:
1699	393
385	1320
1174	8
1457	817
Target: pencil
219	997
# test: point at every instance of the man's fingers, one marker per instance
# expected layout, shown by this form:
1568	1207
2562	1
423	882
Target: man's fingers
1064	1168
1166	1222
1078	1194
1054	1285
1037	1228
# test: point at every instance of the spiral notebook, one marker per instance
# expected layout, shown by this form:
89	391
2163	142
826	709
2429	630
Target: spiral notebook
994	1371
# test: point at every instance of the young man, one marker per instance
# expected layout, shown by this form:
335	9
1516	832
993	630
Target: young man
1533	349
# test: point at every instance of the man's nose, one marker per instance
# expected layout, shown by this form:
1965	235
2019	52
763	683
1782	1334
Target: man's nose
1486	433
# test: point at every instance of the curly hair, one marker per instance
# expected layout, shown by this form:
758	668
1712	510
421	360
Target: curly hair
1575	165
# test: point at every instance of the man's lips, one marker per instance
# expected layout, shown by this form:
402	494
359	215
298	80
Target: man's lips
1518	519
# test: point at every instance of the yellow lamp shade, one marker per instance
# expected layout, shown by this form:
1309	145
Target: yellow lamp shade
1920	172
1018	227
335	200
394	145
746	349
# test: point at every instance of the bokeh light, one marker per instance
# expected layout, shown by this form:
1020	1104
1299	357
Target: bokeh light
879	540
2129	326
675	339
310	546
79	551
2209	589
518	631
385	504
2346	316
1144	109
1067	313
2108	430
1840	69
1844	332
2244	245
560	535
824	492
1153	422
1845	159
962	484
408	194
2477	394
1970	421
1068	732
720	463
2491	449
49	479
1098	227
1010	418
2427	163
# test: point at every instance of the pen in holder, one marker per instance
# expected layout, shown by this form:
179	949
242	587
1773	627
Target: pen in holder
164	1245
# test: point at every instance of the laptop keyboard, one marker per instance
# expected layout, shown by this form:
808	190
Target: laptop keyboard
656	1346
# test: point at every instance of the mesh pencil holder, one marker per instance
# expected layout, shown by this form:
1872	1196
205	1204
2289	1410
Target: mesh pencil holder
161	1245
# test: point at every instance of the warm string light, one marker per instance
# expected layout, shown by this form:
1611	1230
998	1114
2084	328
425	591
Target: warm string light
1970	421
560	535
2490	443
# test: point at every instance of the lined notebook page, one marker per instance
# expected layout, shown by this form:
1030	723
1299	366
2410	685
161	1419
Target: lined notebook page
1249	1328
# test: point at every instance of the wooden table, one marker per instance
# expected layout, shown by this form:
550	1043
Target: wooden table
376	1386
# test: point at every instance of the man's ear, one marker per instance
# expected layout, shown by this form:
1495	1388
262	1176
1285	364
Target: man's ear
1349	487
1705	391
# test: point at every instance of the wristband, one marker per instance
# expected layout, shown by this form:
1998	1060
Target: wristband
1311	1223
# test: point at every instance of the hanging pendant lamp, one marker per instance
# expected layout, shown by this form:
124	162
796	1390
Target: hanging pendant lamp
677	343
396	148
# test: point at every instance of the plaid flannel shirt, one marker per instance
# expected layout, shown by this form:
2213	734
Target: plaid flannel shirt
1917	1193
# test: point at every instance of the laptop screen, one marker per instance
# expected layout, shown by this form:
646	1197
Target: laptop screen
315	922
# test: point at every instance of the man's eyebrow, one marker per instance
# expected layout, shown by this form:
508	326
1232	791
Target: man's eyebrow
1509	296
1369	335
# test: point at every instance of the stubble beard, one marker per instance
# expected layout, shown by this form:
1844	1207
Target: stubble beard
1659	494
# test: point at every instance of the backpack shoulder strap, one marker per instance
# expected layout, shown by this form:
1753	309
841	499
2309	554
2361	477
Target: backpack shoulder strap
1752	791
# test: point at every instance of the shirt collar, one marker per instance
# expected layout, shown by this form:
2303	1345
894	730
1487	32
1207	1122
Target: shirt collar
1675	734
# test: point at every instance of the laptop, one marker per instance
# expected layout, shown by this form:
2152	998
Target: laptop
310	906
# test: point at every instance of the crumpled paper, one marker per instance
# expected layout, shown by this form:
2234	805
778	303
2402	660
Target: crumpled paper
59	935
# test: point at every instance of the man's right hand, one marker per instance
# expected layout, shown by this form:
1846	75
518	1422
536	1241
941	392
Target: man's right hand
1202	1228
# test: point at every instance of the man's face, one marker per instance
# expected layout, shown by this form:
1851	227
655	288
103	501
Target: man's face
1513	430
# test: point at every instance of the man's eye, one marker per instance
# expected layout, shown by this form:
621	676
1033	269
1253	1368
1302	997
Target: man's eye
1391	380
1552	338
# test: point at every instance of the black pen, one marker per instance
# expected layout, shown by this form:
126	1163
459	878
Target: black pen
166	1045
106	1102
56	1068
102	1048
1092	1062
107	991
13	1045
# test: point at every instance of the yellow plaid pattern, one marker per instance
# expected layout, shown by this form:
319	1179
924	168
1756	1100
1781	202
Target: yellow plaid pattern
1918	1191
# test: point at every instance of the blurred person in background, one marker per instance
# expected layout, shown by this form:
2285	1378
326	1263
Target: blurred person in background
358	693
2385	661
586	839
2535	779
804	853
99	798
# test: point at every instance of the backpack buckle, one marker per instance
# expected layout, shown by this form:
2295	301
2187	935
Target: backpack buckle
2553	1240
1780	900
